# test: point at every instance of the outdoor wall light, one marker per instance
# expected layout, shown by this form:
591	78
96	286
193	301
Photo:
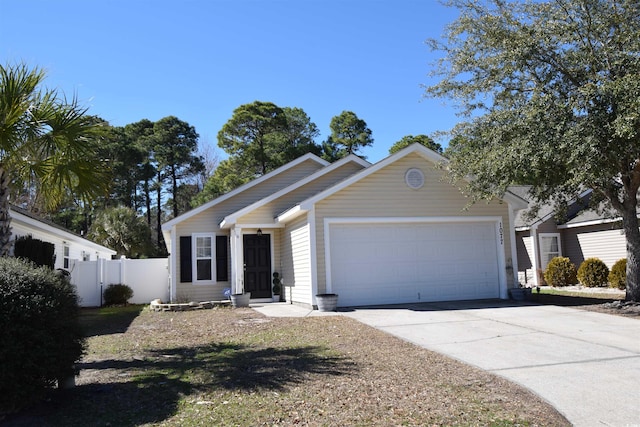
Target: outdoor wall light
259	232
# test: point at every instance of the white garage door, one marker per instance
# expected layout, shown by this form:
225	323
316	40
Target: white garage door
391	263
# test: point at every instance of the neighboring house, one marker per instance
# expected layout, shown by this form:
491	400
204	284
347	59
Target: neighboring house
582	233
68	246
390	232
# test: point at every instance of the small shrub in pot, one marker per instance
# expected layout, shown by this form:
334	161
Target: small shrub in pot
560	272
618	274
117	294
593	273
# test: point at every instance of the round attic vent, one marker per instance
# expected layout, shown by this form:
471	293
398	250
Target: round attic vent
414	178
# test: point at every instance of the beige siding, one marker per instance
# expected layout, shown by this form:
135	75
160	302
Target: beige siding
208	221
524	247
267	213
297	262
597	241
385	194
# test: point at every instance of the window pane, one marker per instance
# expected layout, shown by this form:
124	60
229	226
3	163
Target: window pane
204	269
549	249
203	247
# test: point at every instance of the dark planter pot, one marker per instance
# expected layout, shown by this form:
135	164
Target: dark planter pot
240	300
520	294
327	302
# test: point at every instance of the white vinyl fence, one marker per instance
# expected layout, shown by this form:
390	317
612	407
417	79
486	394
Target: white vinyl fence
149	279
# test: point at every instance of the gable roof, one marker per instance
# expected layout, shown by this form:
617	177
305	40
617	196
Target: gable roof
579	212
416	148
32	220
232	218
193	212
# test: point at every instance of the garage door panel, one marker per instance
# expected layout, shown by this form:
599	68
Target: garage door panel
394	263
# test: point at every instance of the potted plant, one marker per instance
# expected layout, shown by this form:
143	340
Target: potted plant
277	287
327	302
241	299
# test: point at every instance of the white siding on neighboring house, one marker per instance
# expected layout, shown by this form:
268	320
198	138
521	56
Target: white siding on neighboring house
79	248
599	241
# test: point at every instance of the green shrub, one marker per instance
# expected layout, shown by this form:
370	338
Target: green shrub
560	272
117	294
593	273
41	335
35	250
618	274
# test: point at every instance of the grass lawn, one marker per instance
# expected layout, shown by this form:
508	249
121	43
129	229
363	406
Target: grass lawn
234	367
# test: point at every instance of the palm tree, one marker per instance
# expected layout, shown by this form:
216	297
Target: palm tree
45	139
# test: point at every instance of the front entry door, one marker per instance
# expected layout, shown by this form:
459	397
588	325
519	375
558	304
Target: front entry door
257	265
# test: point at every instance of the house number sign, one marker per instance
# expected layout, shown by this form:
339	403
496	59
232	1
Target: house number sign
501	231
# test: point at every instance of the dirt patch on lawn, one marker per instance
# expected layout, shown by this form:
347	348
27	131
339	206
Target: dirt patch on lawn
236	367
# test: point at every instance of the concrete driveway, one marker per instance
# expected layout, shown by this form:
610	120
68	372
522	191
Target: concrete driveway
585	364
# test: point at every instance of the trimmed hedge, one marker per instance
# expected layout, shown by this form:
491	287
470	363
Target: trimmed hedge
35	250
560	272
618	274
41	335
117	294
593	273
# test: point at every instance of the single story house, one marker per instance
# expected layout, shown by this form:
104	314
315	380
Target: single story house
390	232
68	246
580	234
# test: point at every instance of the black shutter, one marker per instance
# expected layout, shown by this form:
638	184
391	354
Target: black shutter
186	270
222	259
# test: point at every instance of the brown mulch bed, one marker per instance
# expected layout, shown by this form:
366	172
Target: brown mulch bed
235	367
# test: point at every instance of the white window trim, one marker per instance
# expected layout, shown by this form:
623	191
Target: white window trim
540	237
194	259
66	256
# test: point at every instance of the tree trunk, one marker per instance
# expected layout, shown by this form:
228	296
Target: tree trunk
174	189
159	212
632	234
5	216
147	195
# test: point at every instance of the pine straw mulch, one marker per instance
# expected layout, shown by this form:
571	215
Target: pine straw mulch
236	367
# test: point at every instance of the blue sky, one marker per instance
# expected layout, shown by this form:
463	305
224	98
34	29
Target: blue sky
200	59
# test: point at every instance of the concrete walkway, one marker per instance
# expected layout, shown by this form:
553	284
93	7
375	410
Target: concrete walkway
586	364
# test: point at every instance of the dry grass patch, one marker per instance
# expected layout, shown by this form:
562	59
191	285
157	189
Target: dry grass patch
237	368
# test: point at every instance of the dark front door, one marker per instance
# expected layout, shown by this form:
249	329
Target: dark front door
257	265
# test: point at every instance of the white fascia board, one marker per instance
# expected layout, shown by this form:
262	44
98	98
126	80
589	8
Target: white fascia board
588	223
65	235
309	156
292	213
414	148
231	219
